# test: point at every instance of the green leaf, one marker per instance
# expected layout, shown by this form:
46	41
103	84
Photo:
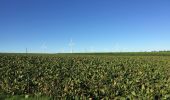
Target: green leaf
133	93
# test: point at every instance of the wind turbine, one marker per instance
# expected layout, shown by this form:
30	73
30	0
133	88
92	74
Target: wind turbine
91	49
44	47
71	44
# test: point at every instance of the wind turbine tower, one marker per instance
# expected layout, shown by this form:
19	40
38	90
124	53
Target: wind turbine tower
71	44
26	50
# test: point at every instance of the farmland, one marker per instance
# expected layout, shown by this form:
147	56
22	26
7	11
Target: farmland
85	76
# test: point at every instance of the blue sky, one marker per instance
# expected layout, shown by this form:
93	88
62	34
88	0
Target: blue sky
93	25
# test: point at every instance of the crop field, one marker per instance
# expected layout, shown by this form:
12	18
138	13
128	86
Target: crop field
126	76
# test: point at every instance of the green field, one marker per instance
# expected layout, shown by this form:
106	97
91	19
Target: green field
119	76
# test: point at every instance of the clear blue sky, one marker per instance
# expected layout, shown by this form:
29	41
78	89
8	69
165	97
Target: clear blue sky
93	25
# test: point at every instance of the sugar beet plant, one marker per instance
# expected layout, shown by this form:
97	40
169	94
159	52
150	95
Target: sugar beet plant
86	77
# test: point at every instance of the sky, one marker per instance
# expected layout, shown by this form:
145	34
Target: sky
89	25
